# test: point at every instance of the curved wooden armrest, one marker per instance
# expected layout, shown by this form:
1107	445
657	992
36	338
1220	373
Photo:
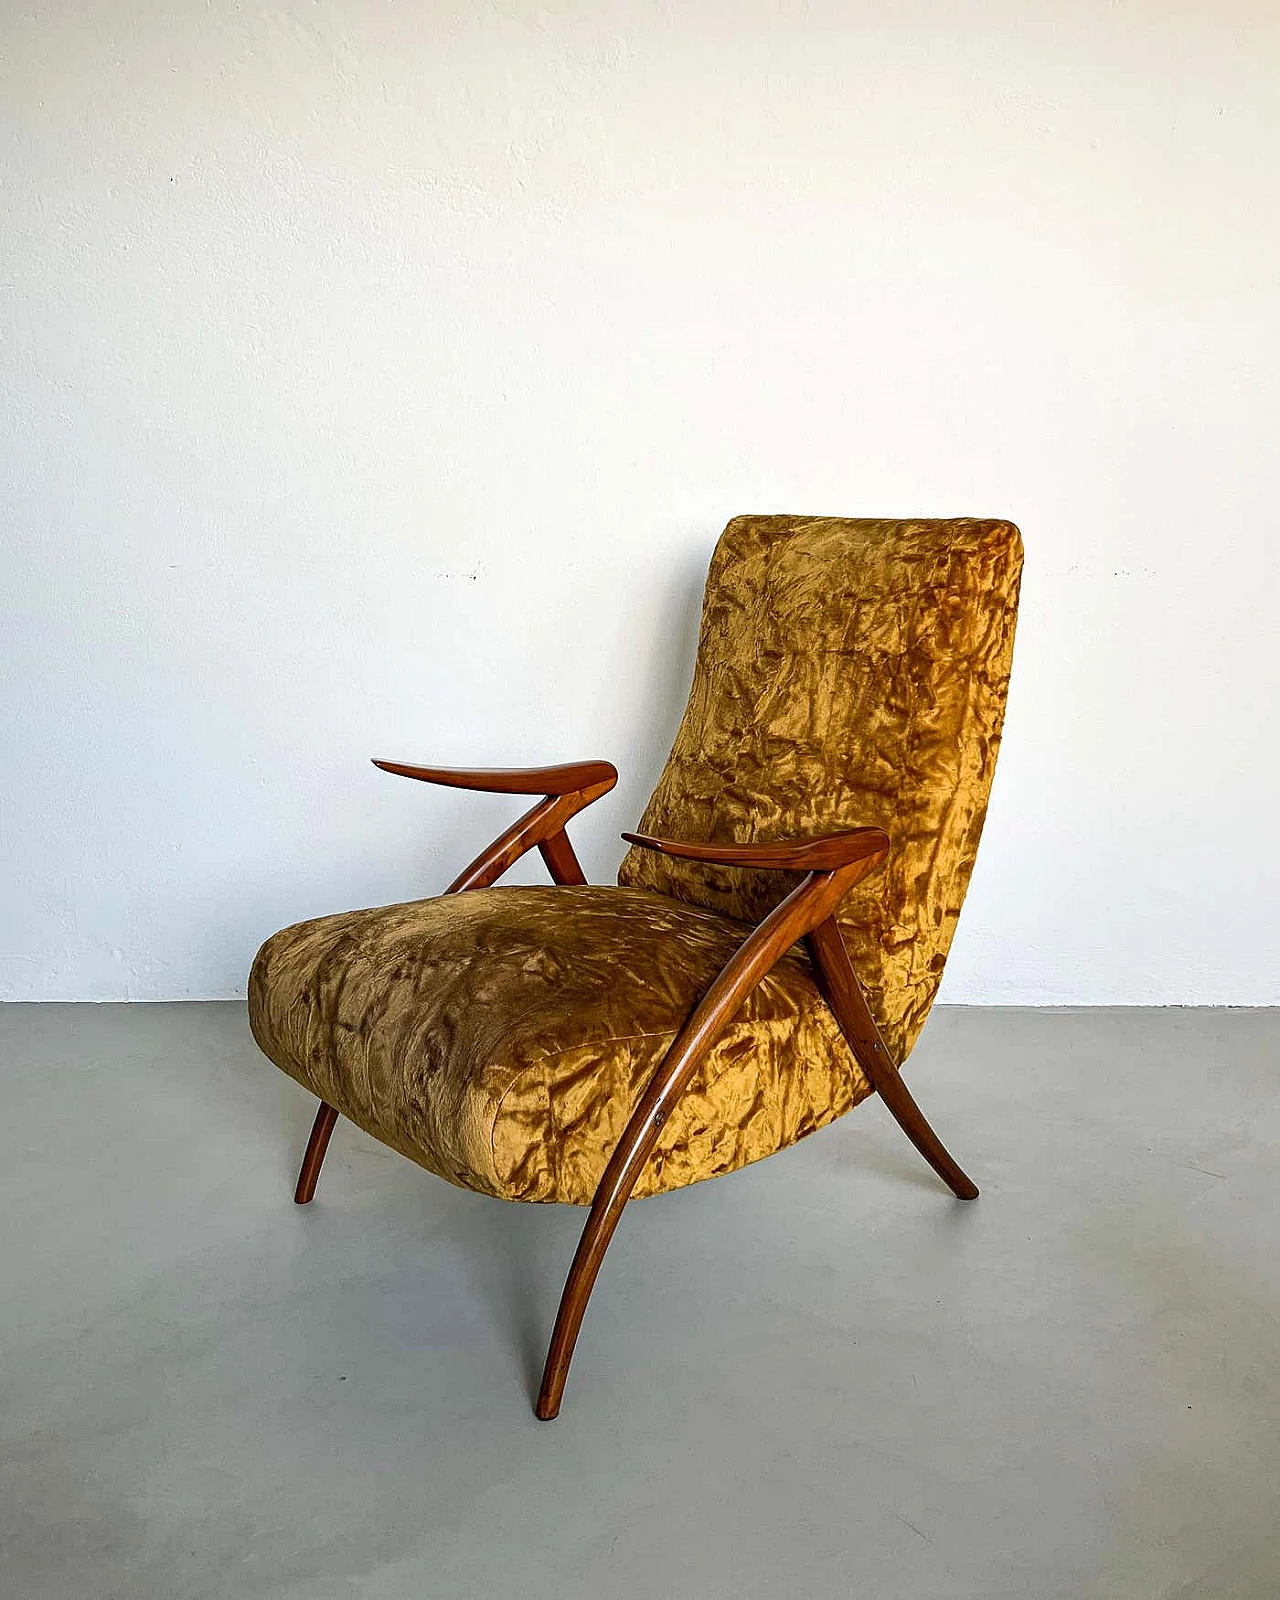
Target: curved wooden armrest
565	791
567	779
823	854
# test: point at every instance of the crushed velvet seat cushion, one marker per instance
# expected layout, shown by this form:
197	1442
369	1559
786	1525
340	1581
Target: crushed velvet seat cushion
501	1038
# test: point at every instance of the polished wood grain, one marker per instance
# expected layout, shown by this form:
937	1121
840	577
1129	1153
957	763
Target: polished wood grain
566	790
566	779
843	993
808	905
542	825
317	1144
562	861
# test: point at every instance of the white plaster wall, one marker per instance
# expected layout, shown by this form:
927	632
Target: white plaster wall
377	377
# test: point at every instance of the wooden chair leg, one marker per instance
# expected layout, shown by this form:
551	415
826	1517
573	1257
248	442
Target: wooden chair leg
749	963
318	1143
844	994
573	1303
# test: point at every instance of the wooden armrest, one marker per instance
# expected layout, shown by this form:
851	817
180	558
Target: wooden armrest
565	791
823	854
568	779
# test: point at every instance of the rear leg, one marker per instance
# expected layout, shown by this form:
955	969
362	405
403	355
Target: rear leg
318	1143
839	983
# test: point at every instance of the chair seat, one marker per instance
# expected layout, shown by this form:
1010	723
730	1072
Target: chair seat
502	1037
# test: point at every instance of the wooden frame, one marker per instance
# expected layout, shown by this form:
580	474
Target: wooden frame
830	865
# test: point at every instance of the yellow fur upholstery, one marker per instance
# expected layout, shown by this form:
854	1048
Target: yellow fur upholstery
849	673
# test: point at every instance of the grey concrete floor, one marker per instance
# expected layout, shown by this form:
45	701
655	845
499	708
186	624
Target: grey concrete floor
818	1377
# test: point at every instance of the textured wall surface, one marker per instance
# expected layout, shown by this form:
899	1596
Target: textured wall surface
377	378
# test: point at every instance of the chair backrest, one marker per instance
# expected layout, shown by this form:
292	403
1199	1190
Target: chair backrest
849	672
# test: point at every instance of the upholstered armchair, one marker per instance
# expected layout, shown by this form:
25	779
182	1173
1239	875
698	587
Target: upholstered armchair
779	927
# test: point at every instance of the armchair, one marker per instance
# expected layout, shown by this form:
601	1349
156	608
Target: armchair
777	934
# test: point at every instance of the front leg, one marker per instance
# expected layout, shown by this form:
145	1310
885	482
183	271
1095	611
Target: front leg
812	902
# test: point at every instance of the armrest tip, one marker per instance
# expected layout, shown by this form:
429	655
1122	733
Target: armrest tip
570	778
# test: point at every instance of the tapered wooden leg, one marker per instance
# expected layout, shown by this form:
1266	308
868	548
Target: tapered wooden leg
573	1303
317	1144
843	992
749	963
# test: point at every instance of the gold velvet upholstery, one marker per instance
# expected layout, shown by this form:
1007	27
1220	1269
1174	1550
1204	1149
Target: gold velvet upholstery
849	673
501	1037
